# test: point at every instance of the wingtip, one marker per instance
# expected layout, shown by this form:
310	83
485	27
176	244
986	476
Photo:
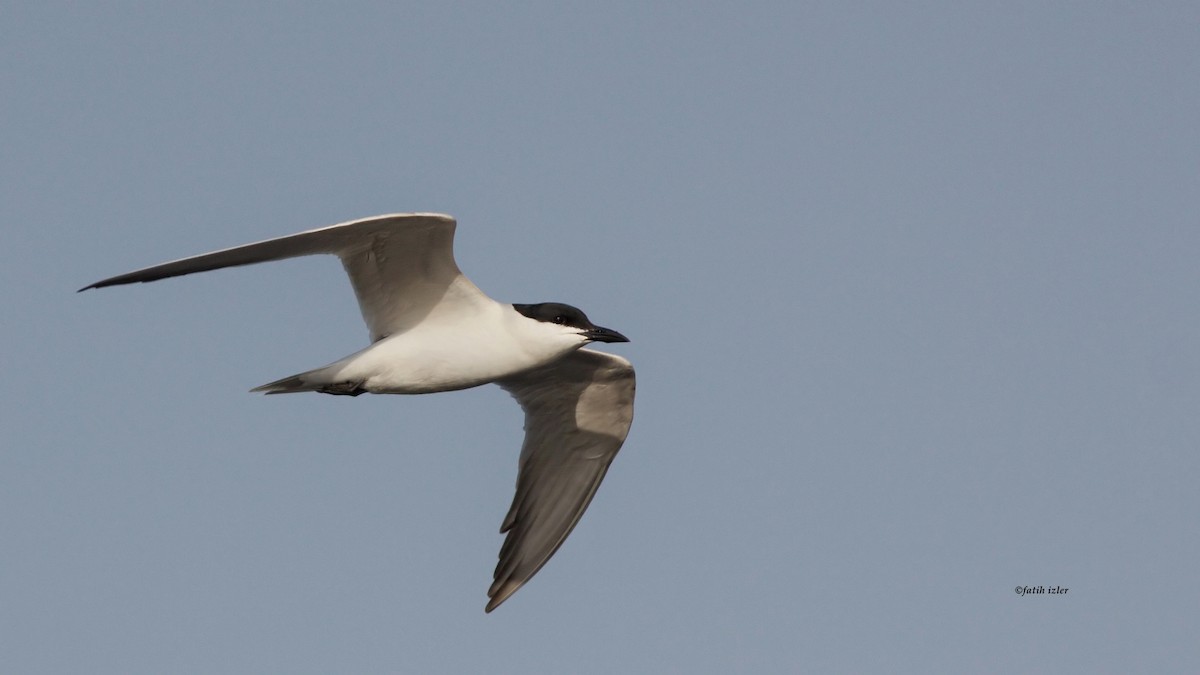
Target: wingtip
103	283
500	592
493	603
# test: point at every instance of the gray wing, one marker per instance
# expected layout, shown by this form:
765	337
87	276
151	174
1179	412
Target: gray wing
401	266
577	415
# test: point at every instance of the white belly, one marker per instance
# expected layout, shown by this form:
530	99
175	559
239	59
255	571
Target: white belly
429	359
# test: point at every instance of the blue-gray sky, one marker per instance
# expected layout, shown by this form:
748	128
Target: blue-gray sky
913	293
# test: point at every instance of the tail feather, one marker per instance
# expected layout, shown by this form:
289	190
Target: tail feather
289	385
313	380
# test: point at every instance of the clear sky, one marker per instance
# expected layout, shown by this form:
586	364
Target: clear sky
912	287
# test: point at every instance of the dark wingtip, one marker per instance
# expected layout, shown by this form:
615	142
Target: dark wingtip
113	281
99	284
501	591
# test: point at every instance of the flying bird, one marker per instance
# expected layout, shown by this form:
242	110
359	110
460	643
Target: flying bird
433	330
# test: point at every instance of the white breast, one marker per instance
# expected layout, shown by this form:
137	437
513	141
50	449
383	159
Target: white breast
447	352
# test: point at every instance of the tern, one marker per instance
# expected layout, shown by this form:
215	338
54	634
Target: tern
433	330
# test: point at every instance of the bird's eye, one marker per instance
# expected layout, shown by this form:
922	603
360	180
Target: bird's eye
560	319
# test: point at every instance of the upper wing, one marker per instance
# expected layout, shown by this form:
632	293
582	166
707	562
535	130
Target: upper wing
401	265
577	414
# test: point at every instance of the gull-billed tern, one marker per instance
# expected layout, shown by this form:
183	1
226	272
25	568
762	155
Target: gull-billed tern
433	330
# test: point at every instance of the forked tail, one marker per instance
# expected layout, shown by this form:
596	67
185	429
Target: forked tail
313	380
290	385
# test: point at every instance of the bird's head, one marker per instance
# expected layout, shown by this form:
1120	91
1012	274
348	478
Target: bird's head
558	320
